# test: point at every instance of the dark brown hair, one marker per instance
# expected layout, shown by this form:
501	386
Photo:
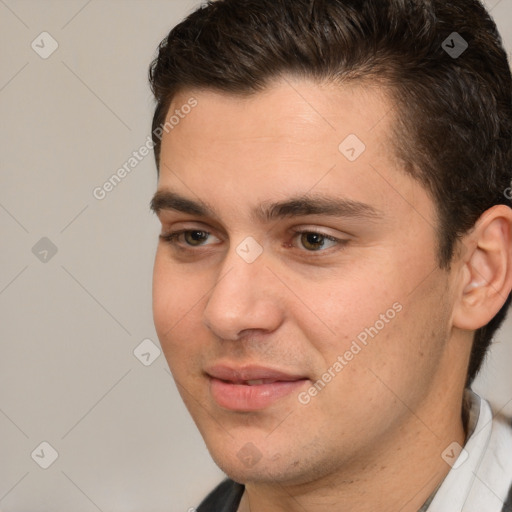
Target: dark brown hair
453	119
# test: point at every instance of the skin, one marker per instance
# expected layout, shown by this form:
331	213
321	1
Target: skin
372	439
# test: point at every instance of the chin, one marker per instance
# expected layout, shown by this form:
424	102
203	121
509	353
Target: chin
269	469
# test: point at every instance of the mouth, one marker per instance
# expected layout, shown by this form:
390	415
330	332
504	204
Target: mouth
251	388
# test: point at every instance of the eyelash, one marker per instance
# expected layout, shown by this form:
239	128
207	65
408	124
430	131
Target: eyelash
172	237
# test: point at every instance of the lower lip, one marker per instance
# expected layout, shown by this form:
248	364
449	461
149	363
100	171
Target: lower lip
240	397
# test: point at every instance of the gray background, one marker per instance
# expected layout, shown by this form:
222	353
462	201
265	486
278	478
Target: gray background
72	320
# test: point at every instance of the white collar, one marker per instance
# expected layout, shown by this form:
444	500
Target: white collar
482	474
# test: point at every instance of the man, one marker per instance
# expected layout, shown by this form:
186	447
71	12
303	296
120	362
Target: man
336	249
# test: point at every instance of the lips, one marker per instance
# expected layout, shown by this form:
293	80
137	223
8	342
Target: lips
257	382
250	373
250	388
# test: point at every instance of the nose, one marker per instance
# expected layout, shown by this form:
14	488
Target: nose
245	299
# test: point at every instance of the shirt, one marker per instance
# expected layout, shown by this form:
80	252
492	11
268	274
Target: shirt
480	479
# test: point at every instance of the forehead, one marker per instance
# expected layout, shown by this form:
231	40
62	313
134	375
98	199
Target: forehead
295	137
291	121
288	109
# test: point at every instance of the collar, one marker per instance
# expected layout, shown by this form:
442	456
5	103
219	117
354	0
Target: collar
481	475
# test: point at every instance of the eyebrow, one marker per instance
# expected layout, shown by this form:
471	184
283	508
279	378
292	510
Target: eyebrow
268	211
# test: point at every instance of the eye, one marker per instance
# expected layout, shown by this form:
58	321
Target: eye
314	241
187	237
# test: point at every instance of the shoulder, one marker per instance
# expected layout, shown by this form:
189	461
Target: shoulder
224	498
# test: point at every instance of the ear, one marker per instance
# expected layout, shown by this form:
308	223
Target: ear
485	278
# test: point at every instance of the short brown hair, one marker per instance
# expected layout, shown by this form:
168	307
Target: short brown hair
454	122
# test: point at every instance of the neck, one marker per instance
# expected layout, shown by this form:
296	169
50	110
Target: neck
400	474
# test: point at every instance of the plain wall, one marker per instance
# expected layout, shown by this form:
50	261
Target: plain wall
70	324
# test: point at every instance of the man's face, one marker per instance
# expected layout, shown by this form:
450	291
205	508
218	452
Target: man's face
337	285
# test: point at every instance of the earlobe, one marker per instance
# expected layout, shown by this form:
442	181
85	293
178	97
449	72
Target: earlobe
486	280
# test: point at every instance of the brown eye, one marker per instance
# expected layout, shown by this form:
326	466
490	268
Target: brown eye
195	238
315	241
189	238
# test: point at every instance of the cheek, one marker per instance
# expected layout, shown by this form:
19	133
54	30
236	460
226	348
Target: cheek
176	300
345	308
369	314
164	296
